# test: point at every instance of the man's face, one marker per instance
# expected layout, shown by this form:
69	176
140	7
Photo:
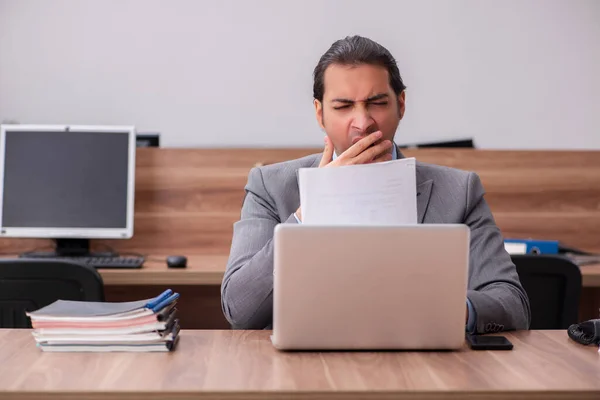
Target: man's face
358	100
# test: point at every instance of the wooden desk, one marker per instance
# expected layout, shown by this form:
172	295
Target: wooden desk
209	269
243	364
590	275
205	269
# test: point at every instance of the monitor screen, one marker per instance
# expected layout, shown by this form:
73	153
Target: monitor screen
67	182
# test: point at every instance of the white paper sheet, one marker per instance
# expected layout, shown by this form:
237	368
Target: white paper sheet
371	194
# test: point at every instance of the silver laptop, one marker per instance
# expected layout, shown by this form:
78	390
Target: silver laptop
370	287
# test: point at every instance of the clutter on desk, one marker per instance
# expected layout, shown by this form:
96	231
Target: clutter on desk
81	326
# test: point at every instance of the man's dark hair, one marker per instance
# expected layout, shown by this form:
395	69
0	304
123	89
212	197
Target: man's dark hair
356	50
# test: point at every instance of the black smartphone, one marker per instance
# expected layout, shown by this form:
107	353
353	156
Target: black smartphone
489	342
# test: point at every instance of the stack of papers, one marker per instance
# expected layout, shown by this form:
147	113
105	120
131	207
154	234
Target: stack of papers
371	194
137	326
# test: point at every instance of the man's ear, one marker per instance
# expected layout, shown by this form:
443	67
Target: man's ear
401	103
319	113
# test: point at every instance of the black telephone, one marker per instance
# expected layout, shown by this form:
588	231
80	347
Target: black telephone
586	332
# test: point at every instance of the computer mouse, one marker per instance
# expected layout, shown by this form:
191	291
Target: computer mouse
177	261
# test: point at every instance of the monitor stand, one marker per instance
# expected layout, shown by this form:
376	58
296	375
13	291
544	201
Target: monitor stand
69	248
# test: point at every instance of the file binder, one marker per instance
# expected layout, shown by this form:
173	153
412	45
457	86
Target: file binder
531	246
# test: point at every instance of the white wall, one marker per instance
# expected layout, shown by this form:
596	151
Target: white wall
511	74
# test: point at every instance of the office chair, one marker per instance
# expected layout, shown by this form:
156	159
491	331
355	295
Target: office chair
27	285
553	284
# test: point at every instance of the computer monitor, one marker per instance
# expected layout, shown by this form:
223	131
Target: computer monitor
69	183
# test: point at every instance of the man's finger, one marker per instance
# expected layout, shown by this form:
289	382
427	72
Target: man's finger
327	153
382	157
373	152
362	144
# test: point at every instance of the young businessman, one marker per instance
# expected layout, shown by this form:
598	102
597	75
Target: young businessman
359	100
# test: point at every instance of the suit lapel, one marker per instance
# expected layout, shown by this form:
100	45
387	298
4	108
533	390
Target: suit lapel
423	191
317	161
314	164
423	194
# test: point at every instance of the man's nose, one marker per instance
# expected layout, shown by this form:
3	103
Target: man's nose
362	120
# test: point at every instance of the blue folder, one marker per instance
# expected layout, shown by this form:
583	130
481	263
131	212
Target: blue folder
531	246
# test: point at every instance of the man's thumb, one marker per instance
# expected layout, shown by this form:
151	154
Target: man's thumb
327	153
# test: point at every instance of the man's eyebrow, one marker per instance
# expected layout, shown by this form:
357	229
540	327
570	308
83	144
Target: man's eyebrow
346	101
370	99
378	97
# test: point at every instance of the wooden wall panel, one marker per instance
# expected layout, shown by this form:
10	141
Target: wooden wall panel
188	199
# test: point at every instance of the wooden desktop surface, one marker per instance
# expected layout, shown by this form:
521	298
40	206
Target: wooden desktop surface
243	364
209	269
590	275
201	270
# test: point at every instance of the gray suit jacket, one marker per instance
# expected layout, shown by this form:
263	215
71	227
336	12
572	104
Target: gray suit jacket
444	195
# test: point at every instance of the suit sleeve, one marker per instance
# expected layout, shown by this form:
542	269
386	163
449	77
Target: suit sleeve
247	287
496	294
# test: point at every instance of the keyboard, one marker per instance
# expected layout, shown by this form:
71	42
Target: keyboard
103	262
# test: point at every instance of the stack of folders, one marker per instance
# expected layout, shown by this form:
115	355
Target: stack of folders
138	326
